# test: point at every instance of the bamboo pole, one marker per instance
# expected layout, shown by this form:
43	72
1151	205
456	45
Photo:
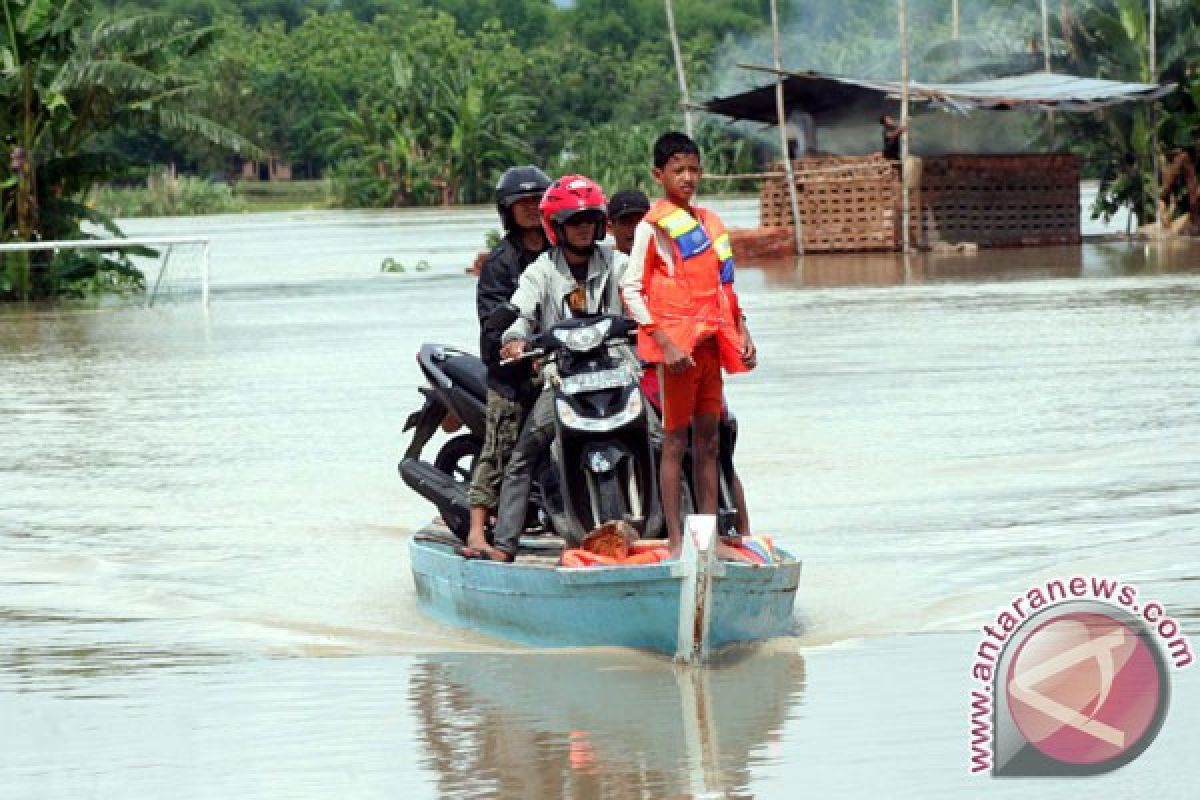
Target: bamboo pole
904	170
1046	37
1155	179
1047	67
797	224
679	71
956	127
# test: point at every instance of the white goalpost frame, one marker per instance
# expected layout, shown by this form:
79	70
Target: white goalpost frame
108	244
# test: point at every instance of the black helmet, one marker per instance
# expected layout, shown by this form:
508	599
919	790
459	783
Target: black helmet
517	183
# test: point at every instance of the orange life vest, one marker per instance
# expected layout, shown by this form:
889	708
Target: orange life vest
691	298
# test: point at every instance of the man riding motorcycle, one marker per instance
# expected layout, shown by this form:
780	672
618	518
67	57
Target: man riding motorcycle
577	276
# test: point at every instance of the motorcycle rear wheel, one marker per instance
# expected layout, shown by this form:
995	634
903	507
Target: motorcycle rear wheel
458	458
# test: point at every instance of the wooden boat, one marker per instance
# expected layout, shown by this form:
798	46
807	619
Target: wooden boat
686	608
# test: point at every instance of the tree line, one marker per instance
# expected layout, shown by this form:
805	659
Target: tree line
417	102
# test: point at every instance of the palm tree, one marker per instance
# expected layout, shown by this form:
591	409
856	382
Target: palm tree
64	81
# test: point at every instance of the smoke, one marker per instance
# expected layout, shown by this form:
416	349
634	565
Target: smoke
859	39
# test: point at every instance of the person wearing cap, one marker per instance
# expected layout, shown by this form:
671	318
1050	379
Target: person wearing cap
510	387
625	210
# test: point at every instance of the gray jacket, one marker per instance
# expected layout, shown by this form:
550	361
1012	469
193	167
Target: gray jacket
545	284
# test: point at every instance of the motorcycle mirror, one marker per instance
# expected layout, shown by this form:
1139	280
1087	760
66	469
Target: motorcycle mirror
502	317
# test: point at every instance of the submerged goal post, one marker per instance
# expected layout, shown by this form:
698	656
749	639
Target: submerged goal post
166	243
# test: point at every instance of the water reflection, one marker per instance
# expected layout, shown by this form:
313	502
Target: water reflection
590	724
1101	259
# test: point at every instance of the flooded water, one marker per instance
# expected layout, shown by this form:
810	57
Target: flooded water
204	587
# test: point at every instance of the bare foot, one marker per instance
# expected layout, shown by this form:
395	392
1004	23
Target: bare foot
496	554
477	540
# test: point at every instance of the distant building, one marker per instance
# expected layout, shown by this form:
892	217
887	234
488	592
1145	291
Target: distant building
273	168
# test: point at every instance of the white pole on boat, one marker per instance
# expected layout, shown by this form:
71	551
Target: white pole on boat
905	171
679	71
697	566
797	229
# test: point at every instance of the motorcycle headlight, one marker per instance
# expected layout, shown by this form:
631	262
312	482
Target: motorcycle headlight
585	338
569	418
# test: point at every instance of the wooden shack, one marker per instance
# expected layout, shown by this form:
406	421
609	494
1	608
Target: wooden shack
852	203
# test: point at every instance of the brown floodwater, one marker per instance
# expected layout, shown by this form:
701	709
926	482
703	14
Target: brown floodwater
204	588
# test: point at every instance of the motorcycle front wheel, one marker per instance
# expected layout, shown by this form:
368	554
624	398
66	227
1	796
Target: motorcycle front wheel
609	500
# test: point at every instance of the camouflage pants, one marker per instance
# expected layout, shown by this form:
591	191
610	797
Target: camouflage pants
504	418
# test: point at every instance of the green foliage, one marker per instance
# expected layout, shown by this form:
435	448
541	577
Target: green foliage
168	196
67	78
417	102
392	266
1110	39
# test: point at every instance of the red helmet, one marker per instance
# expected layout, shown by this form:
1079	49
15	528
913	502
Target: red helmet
568	196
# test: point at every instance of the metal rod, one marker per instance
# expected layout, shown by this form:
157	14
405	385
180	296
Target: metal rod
97	244
679	71
904	170
954	18
744	176
161	271
206	277
797	224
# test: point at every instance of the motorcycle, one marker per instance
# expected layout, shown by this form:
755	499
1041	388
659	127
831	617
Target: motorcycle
602	462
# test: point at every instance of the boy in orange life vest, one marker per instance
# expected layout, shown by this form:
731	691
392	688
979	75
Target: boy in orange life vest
679	287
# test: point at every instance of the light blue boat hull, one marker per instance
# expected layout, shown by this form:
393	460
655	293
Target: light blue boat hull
631	606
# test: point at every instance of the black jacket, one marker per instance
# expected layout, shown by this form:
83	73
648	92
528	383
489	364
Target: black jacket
497	282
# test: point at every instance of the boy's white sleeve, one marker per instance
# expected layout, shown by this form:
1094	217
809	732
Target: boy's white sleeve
631	281
526	298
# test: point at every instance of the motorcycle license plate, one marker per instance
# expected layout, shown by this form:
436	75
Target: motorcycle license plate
595	381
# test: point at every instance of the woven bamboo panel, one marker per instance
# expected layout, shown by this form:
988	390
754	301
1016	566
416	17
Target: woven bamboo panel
847	203
998	201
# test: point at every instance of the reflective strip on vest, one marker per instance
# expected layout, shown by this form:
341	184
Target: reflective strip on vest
686	232
724	251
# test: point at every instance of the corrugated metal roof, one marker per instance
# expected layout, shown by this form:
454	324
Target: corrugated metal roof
826	95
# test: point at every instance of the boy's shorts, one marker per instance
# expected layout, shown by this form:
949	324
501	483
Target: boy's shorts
694	392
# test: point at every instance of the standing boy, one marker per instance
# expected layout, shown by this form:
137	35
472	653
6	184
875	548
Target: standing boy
626	210
679	287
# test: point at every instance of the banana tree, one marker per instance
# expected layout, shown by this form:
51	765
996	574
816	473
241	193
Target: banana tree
1111	39
481	129
65	79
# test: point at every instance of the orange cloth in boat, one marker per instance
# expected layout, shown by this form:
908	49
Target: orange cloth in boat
760	548
641	552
